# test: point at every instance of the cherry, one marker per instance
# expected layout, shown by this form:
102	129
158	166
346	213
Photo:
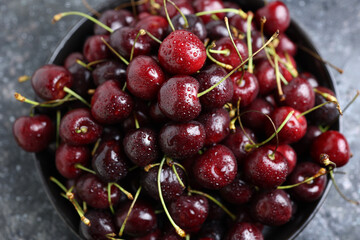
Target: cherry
178	99
94	192
216	123
195	25
286	45
265	168
240	23
285	71
156	114
49	81
215	168
257	43
182	140
277	17
272	208
141	146
141	221
33	134
265	75
246	88
310	78
78	127
144	77
170	185
67	156
208	5
216	30
231	58
189	212
182	52
244	231
156	25
71	59
109	162
102	224
95	49
289	153
112	133
332	143
237	192
114	19
140	114
109	70
309	191
255	115
82	79
109	104
211	230
303	146
185	7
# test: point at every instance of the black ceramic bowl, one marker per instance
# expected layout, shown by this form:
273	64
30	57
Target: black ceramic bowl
73	41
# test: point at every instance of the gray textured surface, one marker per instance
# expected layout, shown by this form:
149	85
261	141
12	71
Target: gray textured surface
26	40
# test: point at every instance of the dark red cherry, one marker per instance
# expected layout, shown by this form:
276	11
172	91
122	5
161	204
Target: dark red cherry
140	111
195	25
231	58
182	140
208	5
189	212
277	17
170	186
244	231
101	224
112	133
109	162
182	52
82	80
309	191
114	19
178	99
33	134
257	43
310	78
94	192
265	75
144	77
334	144
78	127
49	81
156	114
272	208
254	115
156	25
109	70
289	153
240	23
109	104
141	221
216	123
215	168
216	30
95	49
67	156
71	59
246	88
286	45
141	146
265	168
237	192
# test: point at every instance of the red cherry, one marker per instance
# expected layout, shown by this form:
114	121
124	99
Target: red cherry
208	5
289	153
95	49
246	88
277	17
232	58
244	231
114	19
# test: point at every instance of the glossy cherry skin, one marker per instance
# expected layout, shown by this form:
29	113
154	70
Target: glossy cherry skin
255	115
94	192
311	191
289	153
244	231
182	52
265	168
178	99
95	49
109	104
222	93
71	59
195	25
182	140
141	221
286	45
67	156
109	70
144	77
141	146
216	123
272	208
189	212
109	162
216	30
156	25
208	5
215	168
102	224
49	81
310	78
265	75
170	187
237	192
240	23
277	17
78	127
114	19
33	134
334	144
232	58
246	88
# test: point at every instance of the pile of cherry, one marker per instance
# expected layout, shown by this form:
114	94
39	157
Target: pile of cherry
180	134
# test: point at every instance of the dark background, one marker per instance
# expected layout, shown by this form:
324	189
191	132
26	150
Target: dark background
27	39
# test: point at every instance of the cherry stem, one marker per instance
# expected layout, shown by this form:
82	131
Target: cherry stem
227	211
114	51
226	52
127	193
137	125
289	66
23	78
186	23
240	122
224	10
83	64
96	146
92	10
58	119
248	36
130	209
313	109
187	237
277	76
81	99
168	17
140	33
58	16
178	230
231	38
339	191
150	166
239	66
52	103
153	37
109	198
321	172
330	98
81	167
171	164
112	236
212	45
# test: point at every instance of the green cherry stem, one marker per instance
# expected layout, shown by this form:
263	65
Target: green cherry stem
224	10
168	17
321	172
81	167
339	191
83	64
81	99
153	37
58	119
209	49
109	198
226	52
312	109
115	52
140	33
129	212
186	23
249	40
277	76
171	164
231	38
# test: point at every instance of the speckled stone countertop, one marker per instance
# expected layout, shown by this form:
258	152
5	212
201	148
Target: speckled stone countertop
27	38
